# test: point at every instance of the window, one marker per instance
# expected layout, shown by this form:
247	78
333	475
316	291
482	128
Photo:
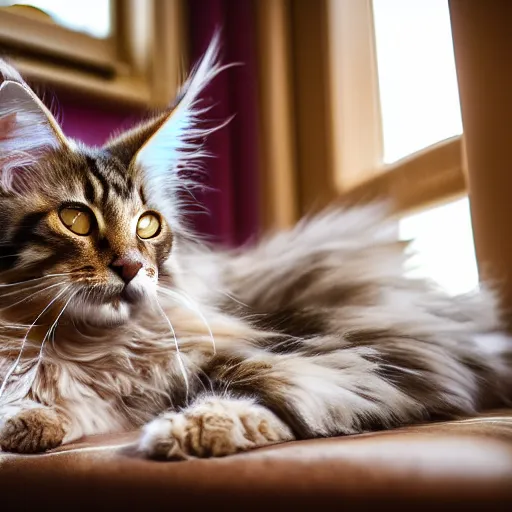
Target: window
443	246
92	17
416	73
420	107
106	48
397	126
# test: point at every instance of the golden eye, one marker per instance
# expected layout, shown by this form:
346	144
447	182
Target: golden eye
148	225
77	220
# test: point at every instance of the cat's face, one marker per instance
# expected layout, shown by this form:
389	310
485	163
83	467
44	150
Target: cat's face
88	232
89	225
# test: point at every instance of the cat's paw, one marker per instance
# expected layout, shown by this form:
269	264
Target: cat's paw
32	431
212	428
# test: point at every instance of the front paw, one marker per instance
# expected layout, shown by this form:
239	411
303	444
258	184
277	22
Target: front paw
32	431
212	428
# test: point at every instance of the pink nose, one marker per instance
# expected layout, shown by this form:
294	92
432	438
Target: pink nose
126	268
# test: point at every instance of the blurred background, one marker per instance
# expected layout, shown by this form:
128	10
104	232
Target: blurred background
337	100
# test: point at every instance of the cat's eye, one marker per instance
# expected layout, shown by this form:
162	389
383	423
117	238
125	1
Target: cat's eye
148	225
78	220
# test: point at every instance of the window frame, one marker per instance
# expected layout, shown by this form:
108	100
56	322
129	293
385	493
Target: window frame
141	64
433	175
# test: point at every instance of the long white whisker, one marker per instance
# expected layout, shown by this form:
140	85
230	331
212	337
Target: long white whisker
178	352
51	330
33	294
196	309
23	343
34	279
229	296
188	302
21	290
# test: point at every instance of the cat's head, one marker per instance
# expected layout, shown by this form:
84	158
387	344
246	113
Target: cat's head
90	228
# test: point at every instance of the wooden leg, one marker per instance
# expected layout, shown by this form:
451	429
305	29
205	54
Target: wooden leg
482	34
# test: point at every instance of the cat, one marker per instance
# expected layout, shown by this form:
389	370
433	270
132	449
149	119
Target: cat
113	316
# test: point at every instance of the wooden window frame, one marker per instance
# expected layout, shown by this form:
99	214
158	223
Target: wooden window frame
280	204
141	64
422	179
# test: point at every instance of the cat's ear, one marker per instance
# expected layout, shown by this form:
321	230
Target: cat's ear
27	127
173	140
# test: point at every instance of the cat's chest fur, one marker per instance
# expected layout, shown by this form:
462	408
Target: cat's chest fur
117	390
102	401
119	380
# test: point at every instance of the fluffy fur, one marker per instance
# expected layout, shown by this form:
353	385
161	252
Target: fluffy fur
312	332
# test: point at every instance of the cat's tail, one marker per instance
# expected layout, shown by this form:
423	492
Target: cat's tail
336	251
495	351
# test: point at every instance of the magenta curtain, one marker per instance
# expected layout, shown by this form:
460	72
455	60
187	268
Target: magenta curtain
233	201
92	123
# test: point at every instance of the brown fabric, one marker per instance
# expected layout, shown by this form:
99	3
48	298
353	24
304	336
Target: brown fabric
466	462
483	46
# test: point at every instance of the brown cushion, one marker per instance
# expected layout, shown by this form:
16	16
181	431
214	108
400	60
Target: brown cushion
466	462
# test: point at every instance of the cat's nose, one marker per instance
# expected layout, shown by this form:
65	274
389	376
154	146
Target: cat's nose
126	268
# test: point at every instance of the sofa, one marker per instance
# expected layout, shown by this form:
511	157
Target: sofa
466	464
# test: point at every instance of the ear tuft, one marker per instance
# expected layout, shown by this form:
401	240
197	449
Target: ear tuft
177	140
9	73
27	128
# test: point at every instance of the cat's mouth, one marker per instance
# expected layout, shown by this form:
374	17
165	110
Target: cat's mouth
109	304
116	298
101	308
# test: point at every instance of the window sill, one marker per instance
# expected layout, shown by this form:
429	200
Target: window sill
426	178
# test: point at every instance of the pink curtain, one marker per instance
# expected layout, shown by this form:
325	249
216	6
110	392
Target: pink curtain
92	123
233	202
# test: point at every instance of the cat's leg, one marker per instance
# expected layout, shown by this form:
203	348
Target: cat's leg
213	426
297	396
29	427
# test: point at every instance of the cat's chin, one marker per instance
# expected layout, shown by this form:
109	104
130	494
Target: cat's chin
101	315
113	310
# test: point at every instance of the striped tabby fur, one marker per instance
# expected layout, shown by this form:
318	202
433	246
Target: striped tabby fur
312	332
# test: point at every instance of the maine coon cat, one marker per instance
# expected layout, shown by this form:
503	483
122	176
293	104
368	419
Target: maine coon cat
113	317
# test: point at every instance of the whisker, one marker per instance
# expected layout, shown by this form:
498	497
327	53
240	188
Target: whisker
188	302
196	309
51	330
229	296
178	352
34	279
24	289
31	295
24	341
